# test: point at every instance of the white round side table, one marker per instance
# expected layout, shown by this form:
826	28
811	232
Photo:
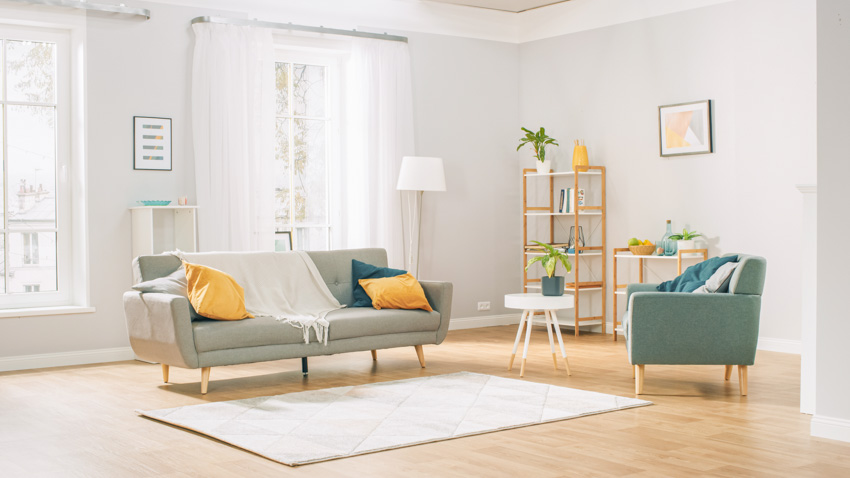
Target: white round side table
548	304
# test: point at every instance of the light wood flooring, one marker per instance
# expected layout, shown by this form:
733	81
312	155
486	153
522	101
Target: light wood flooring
80	421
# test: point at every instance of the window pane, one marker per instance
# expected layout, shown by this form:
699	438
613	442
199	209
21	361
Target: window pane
32	167
281	175
32	261
311	239
31	71
308	90
310	181
281	71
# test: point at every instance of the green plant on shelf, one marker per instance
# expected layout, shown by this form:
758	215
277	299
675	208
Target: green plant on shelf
538	141
685	235
550	259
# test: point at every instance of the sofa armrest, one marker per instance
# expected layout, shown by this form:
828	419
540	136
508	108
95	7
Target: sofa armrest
160	328
638	287
439	295
687	328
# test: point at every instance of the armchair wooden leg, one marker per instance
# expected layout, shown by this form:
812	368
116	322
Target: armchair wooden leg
742	379
728	371
639	379
374	355
165	373
205	379
420	354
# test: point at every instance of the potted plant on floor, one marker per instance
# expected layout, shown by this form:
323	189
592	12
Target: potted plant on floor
551	284
685	240
538	141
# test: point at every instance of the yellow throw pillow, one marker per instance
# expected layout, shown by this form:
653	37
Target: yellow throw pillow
215	294
399	292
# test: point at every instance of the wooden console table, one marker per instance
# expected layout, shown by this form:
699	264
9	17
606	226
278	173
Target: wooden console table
623	253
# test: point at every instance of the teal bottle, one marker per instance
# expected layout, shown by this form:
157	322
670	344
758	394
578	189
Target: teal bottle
668	244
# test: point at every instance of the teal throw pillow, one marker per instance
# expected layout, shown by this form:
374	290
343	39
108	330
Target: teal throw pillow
361	270
696	275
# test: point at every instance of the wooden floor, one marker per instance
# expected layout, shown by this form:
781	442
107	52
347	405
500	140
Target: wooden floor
80	421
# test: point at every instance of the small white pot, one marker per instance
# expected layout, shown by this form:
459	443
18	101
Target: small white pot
543	166
689	244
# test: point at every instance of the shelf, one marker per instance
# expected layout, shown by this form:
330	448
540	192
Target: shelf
567	289
583	254
690	255
620	292
164	207
565	173
583	213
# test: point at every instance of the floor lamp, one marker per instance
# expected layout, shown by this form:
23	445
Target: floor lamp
418	174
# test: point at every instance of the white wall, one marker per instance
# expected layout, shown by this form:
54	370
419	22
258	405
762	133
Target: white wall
755	60
832	409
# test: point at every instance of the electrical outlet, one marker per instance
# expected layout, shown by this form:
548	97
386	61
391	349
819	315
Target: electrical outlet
483	306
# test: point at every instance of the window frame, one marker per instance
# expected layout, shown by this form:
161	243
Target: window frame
65	293
329	59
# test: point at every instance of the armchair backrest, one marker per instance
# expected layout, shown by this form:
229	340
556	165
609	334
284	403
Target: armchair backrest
748	278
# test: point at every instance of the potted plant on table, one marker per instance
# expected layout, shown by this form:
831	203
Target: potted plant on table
551	284
538	141
685	240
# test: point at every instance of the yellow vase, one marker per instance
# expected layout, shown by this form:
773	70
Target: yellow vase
580	162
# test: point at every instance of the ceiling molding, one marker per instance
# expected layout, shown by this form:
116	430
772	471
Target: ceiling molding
512	6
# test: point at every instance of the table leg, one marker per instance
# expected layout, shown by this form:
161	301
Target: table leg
560	340
528	321
551	342
518	336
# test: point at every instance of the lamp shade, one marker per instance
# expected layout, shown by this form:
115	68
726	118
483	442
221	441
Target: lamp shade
420	173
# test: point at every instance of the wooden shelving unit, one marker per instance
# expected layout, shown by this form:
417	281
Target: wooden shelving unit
624	253
597	212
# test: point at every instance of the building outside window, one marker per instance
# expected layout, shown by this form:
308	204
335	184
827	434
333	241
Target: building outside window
302	129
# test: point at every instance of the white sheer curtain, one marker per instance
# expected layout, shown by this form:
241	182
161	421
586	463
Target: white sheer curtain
233	132
377	132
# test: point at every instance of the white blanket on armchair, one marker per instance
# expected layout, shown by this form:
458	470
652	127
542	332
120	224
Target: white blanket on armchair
284	285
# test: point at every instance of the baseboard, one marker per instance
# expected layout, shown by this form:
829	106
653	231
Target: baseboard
832	428
62	359
485	321
780	345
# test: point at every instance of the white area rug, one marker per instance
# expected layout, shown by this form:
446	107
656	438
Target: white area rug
318	425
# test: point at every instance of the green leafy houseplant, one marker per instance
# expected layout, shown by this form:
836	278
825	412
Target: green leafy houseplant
550	259
538	141
685	235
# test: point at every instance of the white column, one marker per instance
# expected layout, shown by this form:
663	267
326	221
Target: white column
809	275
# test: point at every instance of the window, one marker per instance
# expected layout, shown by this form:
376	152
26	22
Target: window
35	147
302	192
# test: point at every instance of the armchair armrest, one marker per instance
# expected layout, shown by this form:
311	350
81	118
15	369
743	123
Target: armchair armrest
160	328
638	287
687	328
439	295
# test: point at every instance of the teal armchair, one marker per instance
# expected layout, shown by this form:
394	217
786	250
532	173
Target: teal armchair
669	328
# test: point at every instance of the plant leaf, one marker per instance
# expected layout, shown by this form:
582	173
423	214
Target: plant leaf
533	260
565	262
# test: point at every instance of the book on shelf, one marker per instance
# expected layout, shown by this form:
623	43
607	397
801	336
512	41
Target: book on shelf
580	197
561	202
568	206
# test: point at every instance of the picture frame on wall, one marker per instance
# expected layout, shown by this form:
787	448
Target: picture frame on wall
685	128
151	143
283	241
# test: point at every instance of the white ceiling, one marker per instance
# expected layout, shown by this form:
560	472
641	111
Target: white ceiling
514	6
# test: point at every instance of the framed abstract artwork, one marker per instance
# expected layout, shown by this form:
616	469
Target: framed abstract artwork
685	128
152	143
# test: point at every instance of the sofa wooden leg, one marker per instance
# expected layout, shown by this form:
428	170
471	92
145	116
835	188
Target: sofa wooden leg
374	355
728	371
165	373
639	379
420	354
205	379
304	366
742	379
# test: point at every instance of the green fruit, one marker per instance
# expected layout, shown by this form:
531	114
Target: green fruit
634	242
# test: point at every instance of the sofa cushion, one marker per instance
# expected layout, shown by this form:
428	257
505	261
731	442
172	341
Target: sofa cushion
360	322
400	292
344	324
215	294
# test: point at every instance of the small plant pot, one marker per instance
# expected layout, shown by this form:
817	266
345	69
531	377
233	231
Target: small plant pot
552	285
681	245
542	166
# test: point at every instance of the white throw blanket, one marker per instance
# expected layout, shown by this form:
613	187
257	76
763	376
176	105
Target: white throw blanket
284	285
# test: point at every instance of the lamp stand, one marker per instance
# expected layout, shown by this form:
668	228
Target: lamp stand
414	214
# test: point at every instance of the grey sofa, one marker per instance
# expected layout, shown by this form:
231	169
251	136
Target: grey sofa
161	329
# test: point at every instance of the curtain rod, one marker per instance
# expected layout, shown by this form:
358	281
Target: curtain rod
300	28
95	7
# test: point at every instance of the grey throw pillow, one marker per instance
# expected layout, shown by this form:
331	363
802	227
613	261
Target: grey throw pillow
719	281
174	283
